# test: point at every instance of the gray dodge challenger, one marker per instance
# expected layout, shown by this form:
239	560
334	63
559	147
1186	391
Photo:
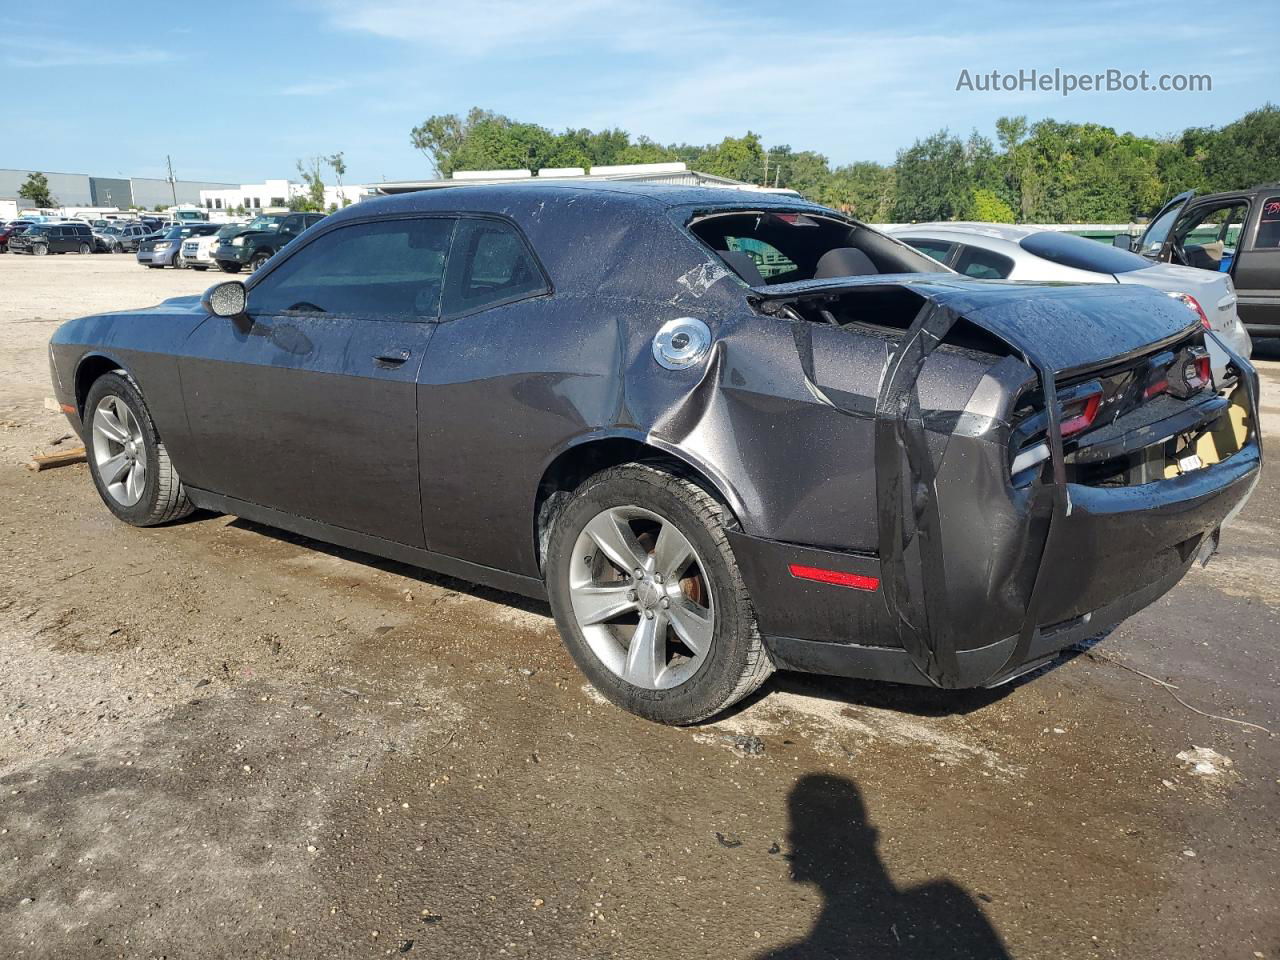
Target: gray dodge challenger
721	432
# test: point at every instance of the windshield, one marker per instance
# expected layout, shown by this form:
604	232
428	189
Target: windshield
36	230
230	230
263	223
111	230
1081	253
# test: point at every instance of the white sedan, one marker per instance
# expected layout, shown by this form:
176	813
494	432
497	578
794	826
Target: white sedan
1003	251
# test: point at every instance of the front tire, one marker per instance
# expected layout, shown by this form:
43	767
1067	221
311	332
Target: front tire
127	459
649	598
228	267
258	261
39	250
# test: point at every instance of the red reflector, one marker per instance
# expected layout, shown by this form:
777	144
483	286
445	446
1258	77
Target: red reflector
834	577
1160	386
67	407
1081	421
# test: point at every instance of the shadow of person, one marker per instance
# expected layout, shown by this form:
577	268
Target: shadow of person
863	915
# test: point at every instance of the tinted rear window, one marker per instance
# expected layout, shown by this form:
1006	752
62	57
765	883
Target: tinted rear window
1082	254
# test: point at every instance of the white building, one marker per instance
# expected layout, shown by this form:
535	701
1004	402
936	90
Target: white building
256	197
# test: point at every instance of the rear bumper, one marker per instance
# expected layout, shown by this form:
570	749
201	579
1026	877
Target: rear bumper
1017	585
1263	329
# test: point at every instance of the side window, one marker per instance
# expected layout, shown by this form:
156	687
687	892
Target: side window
769	260
1158	231
983	264
387	269
490	264
1269	225
938	249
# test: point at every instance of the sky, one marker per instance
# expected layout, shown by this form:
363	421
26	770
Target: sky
238	92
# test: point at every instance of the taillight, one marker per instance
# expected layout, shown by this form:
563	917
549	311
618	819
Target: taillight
1079	413
1193	305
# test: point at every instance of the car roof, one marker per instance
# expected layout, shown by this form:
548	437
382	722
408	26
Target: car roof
497	198
966	228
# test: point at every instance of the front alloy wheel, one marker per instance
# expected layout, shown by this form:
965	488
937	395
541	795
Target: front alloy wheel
119	451
127	459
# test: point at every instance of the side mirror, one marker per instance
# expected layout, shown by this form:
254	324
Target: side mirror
228	299
1123	241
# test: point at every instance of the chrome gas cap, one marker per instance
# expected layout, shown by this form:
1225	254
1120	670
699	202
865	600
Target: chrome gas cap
681	343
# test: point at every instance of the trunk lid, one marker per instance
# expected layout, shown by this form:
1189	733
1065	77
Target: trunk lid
1070	328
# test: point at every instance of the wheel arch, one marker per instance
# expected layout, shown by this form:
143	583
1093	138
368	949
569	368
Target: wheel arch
588	455
90	368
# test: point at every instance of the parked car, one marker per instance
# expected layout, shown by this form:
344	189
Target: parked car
261	238
42	238
123	236
866	465
197	252
9	229
165	250
120	237
1235	233
1005	251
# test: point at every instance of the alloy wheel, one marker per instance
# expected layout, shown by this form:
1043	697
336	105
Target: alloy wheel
641	597
119	451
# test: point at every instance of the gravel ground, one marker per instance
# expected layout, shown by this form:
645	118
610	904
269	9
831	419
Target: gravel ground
219	740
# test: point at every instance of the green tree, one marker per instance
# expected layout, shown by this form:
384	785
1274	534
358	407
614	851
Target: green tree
741	158
339	167
865	189
990	208
1244	153
312	197
36	190
934	180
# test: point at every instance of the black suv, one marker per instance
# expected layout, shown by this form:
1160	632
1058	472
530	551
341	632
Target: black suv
42	238
261	238
1236	233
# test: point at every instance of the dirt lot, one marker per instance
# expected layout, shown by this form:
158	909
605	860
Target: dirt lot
218	740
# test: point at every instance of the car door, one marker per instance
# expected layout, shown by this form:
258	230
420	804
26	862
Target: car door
1256	270
507	376
307	404
1154	241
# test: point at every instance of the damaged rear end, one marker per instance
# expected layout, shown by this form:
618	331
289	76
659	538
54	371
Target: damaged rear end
1088	463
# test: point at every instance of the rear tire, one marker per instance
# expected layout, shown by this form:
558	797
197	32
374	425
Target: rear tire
678	683
120	440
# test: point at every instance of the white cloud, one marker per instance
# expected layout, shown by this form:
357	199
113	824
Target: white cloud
37	54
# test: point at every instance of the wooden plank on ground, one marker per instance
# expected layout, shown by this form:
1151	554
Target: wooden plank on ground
60	459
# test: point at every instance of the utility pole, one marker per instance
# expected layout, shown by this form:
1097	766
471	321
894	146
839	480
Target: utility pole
766	169
173	184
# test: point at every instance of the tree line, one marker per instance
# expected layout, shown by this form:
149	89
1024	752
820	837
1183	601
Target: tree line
1042	172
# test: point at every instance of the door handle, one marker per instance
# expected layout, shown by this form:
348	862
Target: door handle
391	358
